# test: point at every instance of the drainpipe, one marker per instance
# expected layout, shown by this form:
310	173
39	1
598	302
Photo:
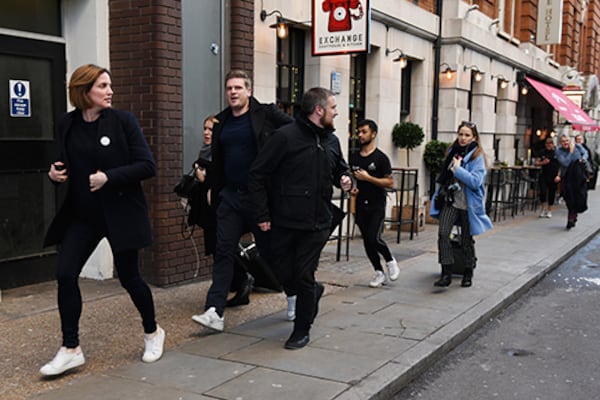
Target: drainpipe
436	75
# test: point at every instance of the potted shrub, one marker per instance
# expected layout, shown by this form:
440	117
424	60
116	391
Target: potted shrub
407	135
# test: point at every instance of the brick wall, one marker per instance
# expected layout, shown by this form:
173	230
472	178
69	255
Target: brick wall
242	35
146	64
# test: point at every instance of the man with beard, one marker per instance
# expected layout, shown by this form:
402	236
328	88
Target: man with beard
373	172
290	187
238	136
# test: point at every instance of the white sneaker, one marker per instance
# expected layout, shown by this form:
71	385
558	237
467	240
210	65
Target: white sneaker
378	279
549	214
544	213
291	308
210	319
63	361
393	270
153	346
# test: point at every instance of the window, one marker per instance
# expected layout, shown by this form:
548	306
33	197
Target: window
508	13
39	16
405	91
290	71
358	78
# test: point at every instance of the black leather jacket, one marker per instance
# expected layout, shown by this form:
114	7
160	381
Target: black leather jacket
290	182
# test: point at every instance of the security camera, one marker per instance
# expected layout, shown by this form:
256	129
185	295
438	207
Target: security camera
214	48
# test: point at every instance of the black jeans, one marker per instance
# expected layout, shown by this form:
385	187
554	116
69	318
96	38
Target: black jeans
233	220
80	240
370	223
296	258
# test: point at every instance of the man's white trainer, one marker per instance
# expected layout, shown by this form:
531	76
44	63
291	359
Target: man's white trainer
210	319
378	279
393	270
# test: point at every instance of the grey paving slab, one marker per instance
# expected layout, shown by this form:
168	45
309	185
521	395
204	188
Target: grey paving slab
184	372
364	343
217	345
263	383
309	361
113	388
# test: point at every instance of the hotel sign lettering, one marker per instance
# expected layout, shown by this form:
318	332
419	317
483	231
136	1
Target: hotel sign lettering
549	22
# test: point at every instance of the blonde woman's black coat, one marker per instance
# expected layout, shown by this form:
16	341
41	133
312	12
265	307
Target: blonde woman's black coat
123	154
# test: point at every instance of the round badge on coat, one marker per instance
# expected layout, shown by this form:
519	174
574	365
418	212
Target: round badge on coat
104	140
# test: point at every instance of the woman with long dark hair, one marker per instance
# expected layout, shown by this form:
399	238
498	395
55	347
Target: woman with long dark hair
460	200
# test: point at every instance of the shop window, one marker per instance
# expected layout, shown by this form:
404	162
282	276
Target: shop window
39	16
358	79
290	71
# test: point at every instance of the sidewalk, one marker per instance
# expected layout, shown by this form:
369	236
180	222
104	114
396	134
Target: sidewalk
366	343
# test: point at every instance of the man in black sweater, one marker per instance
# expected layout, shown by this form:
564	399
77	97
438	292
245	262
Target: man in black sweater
238	137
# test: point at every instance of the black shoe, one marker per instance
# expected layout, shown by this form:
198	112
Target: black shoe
570	224
242	296
297	341
444	281
467	279
319	289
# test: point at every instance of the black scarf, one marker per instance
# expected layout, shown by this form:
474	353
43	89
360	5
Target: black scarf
456	150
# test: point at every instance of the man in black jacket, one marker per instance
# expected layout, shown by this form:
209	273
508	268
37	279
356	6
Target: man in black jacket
241	132
290	186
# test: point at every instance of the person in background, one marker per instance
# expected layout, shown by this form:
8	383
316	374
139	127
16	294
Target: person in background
547	160
103	159
201	211
572	177
242	131
373	171
460	198
593	176
290	186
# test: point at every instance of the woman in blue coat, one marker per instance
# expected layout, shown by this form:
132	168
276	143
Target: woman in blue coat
460	200
103	159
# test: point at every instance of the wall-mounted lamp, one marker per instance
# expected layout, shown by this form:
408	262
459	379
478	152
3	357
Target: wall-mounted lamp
402	59
280	25
524	90
477	73
448	70
472	8
502	80
493	23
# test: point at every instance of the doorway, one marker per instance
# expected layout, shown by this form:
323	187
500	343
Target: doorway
27	147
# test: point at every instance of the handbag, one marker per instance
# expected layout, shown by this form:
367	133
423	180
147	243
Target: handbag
186	185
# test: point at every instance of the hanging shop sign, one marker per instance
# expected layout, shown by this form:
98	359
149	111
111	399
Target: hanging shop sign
340	26
549	22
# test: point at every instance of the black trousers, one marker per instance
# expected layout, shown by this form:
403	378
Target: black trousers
450	216
81	238
370	222
233	220
547	191
296	256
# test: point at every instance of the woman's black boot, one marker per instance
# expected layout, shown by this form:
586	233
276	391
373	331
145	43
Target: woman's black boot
446	278
467	279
